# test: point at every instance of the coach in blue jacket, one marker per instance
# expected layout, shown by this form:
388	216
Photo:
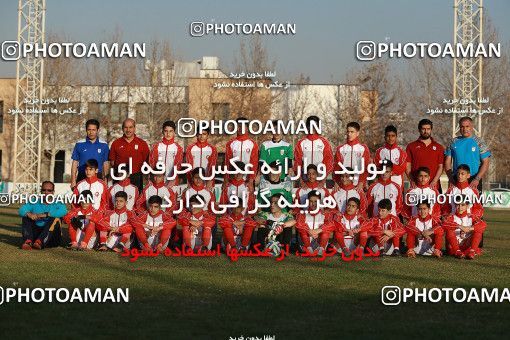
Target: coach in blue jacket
467	149
40	222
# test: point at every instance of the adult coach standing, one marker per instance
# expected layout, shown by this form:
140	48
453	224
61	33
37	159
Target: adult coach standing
467	149
89	148
130	146
425	152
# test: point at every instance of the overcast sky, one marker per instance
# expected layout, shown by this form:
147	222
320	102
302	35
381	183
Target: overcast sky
323	47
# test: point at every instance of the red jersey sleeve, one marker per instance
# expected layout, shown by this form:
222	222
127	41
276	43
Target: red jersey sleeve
400	168
336	166
366	159
168	221
209	220
298	157
327	156
225	222
212	159
179	157
153	155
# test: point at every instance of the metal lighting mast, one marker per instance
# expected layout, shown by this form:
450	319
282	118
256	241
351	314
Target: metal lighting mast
467	72
29	87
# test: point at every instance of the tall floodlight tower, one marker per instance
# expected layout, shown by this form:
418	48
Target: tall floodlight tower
467	72
29	90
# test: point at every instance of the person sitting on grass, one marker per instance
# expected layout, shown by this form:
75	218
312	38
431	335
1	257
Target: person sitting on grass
40	223
277	221
314	225
81	222
115	227
237	226
426	227
464	231
153	227
348	225
197	224
385	227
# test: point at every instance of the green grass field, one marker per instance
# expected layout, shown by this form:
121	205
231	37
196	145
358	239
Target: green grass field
213	298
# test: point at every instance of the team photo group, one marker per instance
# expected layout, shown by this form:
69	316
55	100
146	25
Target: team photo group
310	196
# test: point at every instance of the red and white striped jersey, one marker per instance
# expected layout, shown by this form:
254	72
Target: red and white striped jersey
240	189
397	156
99	191
91	213
376	225
160	190
342	195
476	209
345	222
161	219
117	219
321	219
130	189
384	189
302	193
353	155
206	217
313	149
202	155
207	194
417	194
169	152
418	225
245	150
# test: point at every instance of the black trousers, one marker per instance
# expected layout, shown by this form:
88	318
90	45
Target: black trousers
50	234
284	238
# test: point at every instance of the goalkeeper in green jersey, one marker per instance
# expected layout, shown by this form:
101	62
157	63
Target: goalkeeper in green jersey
272	184
276	149
274	222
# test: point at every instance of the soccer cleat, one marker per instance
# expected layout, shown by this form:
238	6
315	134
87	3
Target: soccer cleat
228	248
119	248
37	245
27	245
437	253
471	254
102	247
83	246
411	253
396	252
73	246
459	254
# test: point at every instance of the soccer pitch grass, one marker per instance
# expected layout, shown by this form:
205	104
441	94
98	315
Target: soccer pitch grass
214	298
